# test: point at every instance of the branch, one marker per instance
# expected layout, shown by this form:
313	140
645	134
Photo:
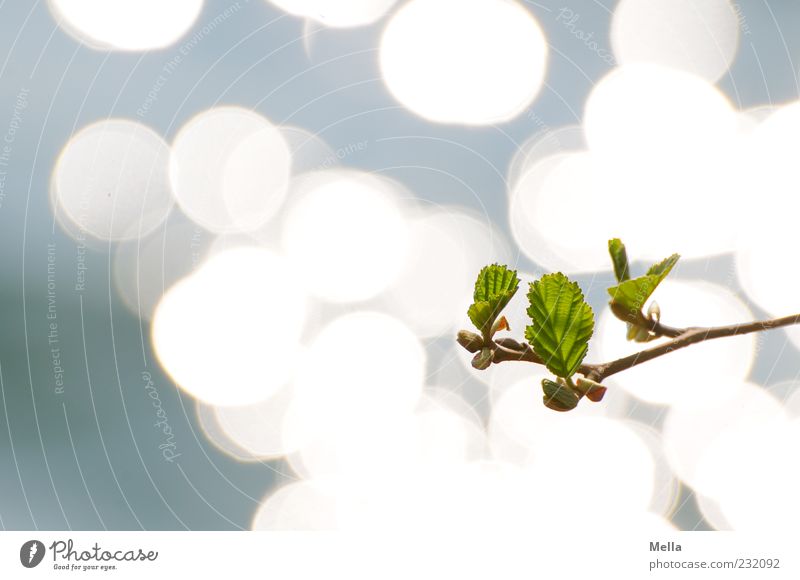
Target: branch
687	337
508	349
663	330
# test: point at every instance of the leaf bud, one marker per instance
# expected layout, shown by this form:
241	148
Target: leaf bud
654	311
559	397
469	340
591	390
483	359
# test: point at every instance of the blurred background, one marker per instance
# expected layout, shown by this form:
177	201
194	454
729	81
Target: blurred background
238	238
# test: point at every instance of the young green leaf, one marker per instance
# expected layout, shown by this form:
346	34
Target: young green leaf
562	325
622	269
629	297
494	288
663	267
619	256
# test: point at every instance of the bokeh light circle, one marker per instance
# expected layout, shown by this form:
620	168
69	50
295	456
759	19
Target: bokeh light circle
212	431
522	209
111	180
447	248
662	144
228	334
126	24
347	228
690	431
547	142
303	505
760	263
593	466
230	169
361	370
338	14
145	269
520	425
475	62
644	113
700	374
258	428
757	471
698	36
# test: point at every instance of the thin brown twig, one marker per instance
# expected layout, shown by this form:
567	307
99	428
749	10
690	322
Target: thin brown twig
508	349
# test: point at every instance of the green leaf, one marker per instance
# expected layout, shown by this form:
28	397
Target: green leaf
495	287
629	297
620	259
562	325
664	267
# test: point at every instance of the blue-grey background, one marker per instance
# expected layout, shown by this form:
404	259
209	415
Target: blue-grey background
88	458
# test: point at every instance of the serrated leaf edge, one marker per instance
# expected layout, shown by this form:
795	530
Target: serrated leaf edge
531	334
